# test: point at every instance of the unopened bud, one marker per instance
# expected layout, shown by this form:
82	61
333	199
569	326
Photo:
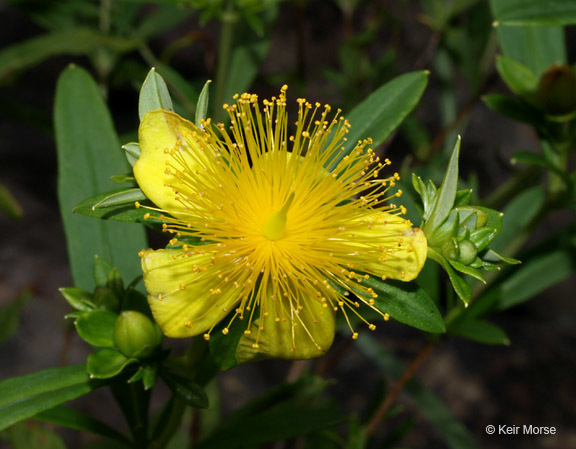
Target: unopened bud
468	252
557	90
135	335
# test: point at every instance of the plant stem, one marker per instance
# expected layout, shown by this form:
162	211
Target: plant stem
133	400
392	395
224	54
175	408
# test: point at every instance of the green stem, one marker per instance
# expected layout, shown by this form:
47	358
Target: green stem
140	402
175	411
229	18
133	400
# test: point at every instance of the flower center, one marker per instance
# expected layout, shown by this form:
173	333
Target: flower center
275	228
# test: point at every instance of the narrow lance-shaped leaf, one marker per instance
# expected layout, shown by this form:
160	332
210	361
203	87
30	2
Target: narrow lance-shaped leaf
519	78
25	396
88	155
537	47
129	196
446	194
536	12
383	111
74	419
154	95
132	151
202	105
408	304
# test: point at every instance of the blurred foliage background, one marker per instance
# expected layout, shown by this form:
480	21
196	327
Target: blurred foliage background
509	90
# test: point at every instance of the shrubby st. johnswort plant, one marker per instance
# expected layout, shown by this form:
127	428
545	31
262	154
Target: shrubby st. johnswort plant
278	225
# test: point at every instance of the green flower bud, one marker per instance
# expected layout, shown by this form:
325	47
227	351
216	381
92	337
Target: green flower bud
135	335
468	252
557	90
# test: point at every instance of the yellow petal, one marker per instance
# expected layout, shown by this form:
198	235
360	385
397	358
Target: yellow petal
184	298
160	133
406	261
309	335
404	255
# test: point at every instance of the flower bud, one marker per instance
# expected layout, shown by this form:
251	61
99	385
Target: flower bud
135	335
557	90
468	252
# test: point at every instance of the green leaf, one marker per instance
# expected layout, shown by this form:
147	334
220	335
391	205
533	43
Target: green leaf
88	154
202	105
223	347
277	424
74	419
25	396
536	47
480	331
102	269
122	212
444	200
127	196
515	109
407	303
526	157
187	391
493	256
383	111
27	435
467	270
9	205
519	78
451	430
461	287
10	315
71	41
463	198
149	376
536	12
154	95
107	363
132	151
534	276
124	177
79	299
483	237
519	212
97	328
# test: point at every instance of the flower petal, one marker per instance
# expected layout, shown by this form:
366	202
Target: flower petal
183	296
405	254
309	335
406	261
161	132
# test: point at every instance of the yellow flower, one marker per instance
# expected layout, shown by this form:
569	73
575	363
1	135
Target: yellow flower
282	239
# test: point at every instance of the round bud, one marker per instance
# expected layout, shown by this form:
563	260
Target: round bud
468	252
557	90
135	335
